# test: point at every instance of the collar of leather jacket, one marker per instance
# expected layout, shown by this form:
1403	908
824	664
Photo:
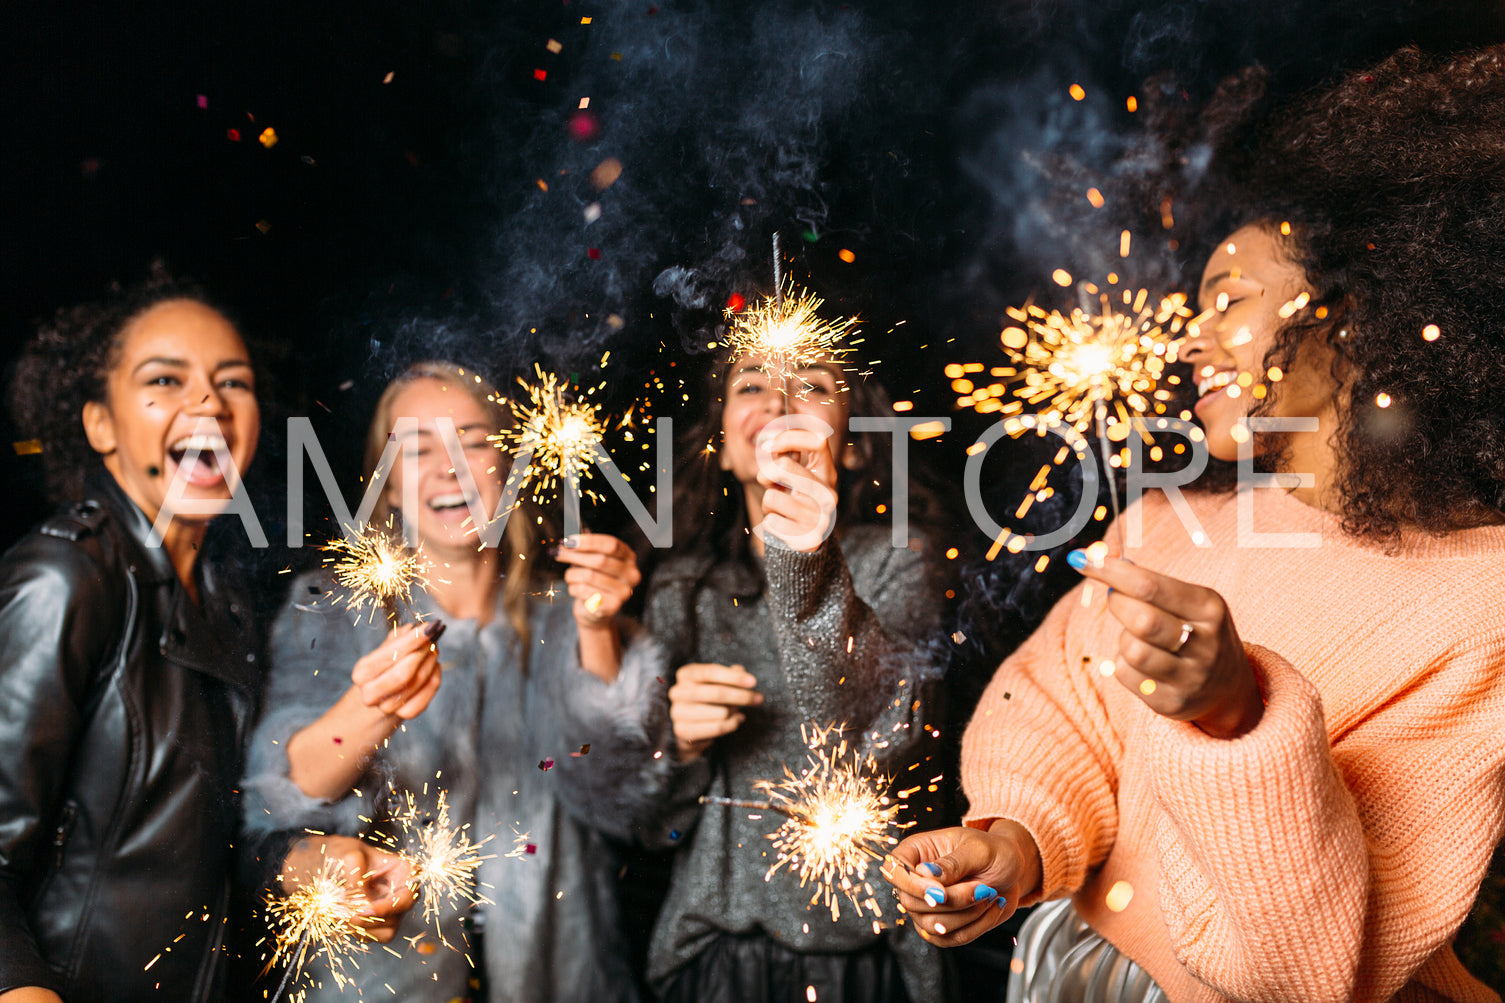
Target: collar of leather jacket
208	636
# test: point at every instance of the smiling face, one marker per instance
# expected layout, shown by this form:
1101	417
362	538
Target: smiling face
444	520
755	397
1247	282
181	380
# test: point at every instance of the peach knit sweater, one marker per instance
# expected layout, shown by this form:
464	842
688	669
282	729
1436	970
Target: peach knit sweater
1332	852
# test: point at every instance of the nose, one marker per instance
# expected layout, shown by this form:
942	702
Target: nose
1202	347
208	401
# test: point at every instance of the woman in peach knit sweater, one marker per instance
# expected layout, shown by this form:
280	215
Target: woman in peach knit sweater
1274	764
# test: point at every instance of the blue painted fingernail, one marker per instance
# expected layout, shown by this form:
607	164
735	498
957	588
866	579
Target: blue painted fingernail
1002	901
934	869
935	896
983	893
1077	559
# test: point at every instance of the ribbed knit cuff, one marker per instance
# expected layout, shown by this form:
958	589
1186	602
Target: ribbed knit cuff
1063	854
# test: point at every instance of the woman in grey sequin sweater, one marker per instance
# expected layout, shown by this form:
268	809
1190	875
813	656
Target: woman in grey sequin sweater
503	733
811	632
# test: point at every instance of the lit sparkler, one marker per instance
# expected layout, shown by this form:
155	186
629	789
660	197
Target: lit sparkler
837	819
442	858
378	572
787	327
1080	369
318	918
557	439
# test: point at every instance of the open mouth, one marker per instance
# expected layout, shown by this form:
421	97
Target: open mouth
1215	381
449	502
196	458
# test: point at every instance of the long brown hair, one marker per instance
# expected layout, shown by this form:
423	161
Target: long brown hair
519	547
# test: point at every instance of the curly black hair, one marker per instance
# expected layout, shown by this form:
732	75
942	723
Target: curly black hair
67	365
1392	182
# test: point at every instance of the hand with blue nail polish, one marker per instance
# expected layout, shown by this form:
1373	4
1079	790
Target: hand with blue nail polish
956	884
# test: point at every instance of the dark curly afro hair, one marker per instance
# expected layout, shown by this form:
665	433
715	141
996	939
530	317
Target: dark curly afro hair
1393	182
67	365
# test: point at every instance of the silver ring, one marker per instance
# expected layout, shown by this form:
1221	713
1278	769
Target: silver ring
1186	630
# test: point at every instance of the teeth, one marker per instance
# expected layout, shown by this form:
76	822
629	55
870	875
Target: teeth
203	443
448	501
1214	382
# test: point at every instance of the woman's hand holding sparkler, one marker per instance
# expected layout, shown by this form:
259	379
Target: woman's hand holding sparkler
390	684
377	884
797	470
601	575
1179	651
708	701
959	883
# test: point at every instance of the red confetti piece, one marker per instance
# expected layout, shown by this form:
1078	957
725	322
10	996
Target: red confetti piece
233	135
584	126
532	848
540	74
594	253
546	764
203	101
735	302
338	740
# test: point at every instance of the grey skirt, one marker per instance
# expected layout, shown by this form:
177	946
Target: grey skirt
1060	959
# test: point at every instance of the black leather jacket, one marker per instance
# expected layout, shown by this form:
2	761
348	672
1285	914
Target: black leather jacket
123	712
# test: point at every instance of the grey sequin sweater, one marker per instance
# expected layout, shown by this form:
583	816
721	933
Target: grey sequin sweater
833	638
500	740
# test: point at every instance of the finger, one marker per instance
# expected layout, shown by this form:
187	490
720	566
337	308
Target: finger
725	675
402	642
403	676
623	569
961	928
388	884
419	701
786	441
797	509
705	731
1172	595
1158	694
592	543
1154	625
598	581
711	693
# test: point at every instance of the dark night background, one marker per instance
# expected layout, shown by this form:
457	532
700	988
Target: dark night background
404	219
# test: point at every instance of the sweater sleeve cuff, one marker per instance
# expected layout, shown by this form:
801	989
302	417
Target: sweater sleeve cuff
273	802
798	578
1063	854
631	707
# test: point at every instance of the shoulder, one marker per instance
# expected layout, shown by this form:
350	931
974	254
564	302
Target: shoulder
66	558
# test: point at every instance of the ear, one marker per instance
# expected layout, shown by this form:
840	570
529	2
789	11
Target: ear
99	427
726	461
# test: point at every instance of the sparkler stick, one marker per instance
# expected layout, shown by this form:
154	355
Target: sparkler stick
784	810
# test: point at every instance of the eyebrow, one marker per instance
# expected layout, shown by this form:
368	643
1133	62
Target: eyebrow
163	360
1213	280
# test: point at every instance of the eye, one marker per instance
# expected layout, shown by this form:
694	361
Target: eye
164	381
236	383
749	388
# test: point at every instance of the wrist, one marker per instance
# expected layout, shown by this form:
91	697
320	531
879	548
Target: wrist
1236	717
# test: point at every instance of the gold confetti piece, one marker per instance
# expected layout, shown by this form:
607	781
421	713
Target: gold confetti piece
27	447
846	255
585	103
1077	92
1096	198
554	46
388	78
268	137
606	173
1132	103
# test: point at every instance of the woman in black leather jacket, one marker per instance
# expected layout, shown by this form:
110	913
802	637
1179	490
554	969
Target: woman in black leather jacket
126	688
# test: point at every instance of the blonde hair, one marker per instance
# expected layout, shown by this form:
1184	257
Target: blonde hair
519	546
